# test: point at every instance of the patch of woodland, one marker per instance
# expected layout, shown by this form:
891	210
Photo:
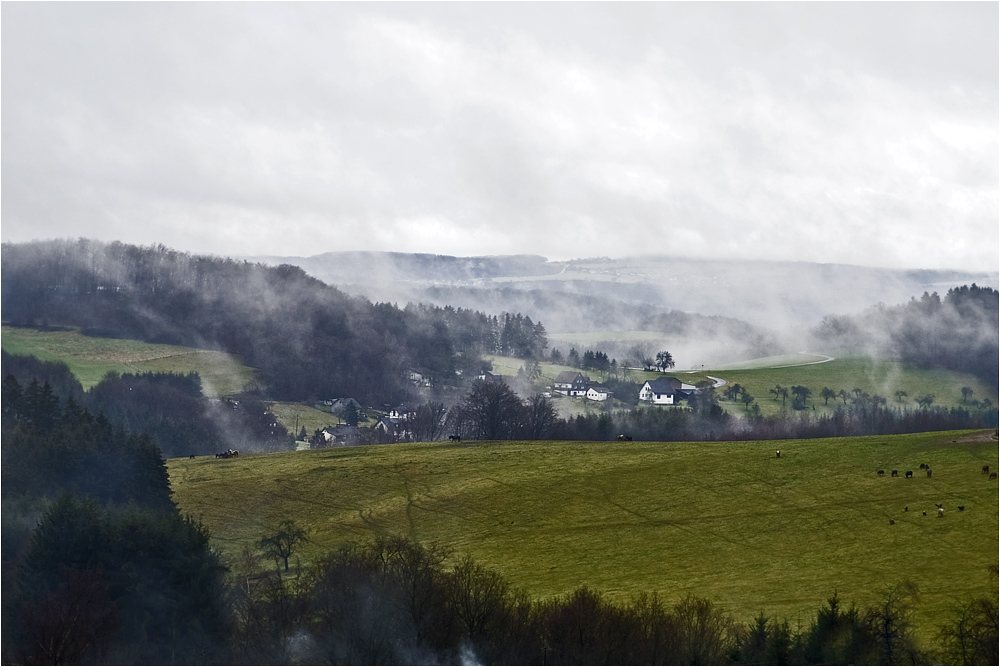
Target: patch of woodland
308	340
958	332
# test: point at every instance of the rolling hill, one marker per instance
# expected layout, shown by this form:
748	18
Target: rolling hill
727	521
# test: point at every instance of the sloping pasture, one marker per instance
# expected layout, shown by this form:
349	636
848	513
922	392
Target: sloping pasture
727	521
90	358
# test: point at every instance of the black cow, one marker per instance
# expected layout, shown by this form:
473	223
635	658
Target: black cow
895	473
993	475
909	473
881	473
923	465
891	522
986	469
455	438
624	438
961	508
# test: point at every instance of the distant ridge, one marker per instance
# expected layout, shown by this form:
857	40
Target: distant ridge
766	293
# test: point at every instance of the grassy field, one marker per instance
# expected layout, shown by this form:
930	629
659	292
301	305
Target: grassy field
91	358
884	378
758	376
727	521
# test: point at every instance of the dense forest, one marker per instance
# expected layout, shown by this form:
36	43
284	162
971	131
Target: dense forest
168	407
309	340
960	332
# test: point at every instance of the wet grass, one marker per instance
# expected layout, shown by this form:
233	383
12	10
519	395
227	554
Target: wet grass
727	521
90	358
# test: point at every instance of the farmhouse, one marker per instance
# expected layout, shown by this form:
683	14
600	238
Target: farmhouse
598	392
571	383
663	391
487	376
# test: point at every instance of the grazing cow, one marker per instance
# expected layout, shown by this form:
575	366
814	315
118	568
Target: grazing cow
881	473
993	475
928	472
925	513
986	469
923	465
892	522
455	438
777	454
906	509
895	473
961	508
940	512
191	457
909	473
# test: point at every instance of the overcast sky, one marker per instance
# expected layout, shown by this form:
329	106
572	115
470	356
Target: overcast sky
848	132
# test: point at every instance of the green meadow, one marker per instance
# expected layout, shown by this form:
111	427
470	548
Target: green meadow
758	376
90	358
727	521
873	376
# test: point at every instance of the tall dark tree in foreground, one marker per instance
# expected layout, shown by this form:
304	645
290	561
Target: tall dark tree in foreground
491	412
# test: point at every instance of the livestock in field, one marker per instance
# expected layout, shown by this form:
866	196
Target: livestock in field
624	438
909	473
191	457
940	512
777	454
986	469
993	475
892	522
455	438
881	473
895	473
906	509
928	472
961	508
923	465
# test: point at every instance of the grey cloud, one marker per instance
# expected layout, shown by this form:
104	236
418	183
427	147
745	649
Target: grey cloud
845	132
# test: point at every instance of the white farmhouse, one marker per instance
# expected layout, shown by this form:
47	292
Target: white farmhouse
662	391
598	392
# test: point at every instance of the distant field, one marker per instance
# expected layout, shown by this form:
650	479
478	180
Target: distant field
727	521
91	358
759	376
884	378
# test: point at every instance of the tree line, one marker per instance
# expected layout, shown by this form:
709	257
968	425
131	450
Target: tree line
308	340
493	411
394	601
168	407
959	332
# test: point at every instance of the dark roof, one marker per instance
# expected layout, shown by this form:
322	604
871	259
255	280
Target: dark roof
662	385
567	377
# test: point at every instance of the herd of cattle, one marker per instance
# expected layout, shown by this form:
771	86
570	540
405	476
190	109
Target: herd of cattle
924	466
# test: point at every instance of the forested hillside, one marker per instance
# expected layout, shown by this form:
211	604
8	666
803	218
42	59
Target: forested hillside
308	339
960	332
